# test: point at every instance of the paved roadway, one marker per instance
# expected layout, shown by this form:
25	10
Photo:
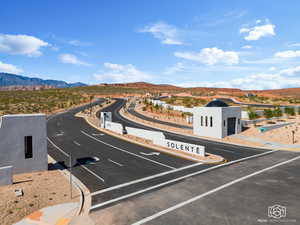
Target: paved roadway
228	151
239	194
129	187
125	170
120	162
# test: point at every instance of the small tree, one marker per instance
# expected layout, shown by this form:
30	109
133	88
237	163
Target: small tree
156	107
252	115
268	113
290	111
277	112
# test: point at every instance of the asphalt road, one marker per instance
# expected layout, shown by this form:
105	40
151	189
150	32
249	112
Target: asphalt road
130	187
125	170
238	194
228	151
119	163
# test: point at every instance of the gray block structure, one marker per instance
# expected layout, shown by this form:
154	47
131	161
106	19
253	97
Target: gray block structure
6	175
217	120
23	142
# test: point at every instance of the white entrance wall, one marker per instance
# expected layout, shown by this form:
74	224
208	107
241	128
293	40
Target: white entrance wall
23	142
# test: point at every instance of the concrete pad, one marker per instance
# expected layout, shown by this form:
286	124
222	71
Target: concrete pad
58	214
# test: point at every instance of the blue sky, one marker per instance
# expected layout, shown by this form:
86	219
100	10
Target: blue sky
242	44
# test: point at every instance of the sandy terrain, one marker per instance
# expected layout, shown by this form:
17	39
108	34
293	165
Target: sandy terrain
175	116
281	135
41	189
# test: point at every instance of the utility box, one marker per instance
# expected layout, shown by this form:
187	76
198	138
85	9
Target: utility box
6	175
105	117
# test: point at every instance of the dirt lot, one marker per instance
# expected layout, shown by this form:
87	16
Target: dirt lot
174	117
41	189
281	135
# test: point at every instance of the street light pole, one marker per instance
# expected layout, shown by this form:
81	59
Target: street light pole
70	168
293	132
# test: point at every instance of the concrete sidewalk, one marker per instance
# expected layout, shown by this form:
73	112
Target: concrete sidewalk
266	143
62	214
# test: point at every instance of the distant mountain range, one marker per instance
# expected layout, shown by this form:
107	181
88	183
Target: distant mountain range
7	79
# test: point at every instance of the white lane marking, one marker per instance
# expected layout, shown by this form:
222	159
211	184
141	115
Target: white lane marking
100	134
150	153
59	134
119	164
144	179
76	143
154	216
66	154
58	148
177	179
100	178
130	153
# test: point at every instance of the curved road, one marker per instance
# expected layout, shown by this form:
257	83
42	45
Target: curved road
121	169
228	151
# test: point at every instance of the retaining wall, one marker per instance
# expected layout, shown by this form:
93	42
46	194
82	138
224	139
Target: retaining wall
146	134
115	127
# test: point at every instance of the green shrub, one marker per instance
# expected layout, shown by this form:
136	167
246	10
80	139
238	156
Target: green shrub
252	115
268	113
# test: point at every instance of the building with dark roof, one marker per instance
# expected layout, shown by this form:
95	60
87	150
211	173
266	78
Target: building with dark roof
216	103
217	120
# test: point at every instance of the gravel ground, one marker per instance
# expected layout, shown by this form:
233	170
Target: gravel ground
41	189
163	116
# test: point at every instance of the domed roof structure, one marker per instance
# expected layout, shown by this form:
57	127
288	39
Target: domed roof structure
216	103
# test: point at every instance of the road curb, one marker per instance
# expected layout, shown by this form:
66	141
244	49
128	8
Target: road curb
157	148
230	143
218	141
85	197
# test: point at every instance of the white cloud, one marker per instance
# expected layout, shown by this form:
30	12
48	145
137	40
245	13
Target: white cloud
272	68
287	54
290	71
117	73
78	43
166	33
294	45
257	32
211	56
21	45
71	59
247	47
178	67
258	81
258	21
9	68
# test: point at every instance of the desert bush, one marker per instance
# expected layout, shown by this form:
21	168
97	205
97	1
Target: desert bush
252	115
290	111
277	112
268	113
